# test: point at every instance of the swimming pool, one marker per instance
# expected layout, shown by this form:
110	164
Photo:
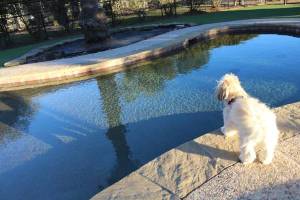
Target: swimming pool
74	140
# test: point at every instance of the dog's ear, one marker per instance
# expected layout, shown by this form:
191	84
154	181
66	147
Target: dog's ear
221	92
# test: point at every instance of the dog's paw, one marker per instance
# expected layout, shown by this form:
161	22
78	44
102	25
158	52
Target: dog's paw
266	161
223	130
247	160
230	133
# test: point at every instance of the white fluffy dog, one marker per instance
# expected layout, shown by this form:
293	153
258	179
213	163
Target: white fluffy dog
246	116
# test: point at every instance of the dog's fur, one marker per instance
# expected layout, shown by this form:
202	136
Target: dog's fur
246	116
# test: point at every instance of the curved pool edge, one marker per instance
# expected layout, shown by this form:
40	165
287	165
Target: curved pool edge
83	67
207	167
22	59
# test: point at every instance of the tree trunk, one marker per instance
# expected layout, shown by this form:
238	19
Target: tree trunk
191	6
75	9
235	2
93	21
175	7
5	39
59	12
108	7
35	19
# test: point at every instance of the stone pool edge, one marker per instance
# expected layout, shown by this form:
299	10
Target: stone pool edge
119	59
208	168
22	59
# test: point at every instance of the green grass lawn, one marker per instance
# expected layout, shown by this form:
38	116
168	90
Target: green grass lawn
250	12
9	54
263	11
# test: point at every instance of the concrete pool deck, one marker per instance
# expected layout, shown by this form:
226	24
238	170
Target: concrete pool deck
114	60
208	168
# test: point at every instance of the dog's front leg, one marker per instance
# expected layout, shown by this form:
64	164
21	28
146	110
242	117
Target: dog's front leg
248	154
228	129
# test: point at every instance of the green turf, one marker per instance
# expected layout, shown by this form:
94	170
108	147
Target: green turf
9	54
241	13
263	11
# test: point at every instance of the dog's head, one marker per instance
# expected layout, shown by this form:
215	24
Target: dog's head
229	87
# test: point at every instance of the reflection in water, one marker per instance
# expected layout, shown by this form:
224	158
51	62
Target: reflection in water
14	109
72	141
150	78
14	112
16	147
116	130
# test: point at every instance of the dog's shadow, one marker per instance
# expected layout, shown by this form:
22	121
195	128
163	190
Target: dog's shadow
214	152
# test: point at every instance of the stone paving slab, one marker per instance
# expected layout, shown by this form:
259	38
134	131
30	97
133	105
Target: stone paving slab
188	166
127	188
291	148
279	180
70	69
288	120
208	168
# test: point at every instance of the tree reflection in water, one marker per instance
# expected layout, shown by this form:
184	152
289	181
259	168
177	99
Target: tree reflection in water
149	78
116	132
14	110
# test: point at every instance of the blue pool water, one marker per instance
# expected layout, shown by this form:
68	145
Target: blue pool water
72	141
